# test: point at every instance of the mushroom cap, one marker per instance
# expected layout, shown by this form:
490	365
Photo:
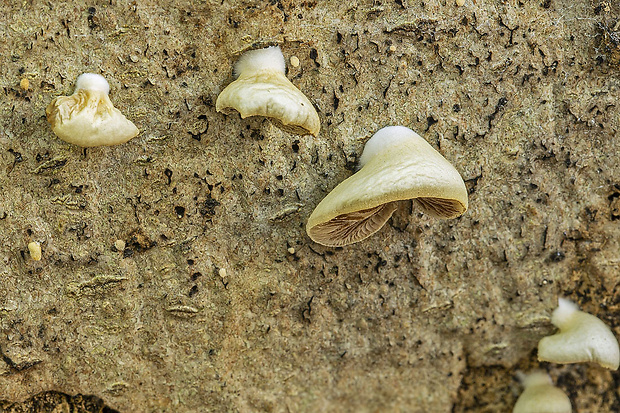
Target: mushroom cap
262	89
582	338
397	164
88	118
541	396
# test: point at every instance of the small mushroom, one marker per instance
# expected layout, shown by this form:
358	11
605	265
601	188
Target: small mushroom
88	118
397	164
540	395
262	89
582	338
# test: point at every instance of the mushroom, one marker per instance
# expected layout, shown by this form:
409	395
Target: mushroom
397	164
540	395
87	118
582	338
262	89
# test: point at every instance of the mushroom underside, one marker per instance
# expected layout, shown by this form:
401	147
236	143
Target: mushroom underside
441	207
352	227
356	226
291	128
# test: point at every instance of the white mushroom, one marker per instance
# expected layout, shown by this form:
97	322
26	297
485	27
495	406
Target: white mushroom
88	118
262	89
582	338
397	164
541	396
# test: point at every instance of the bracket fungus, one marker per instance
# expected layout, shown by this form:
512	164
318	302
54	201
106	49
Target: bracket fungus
540	395
262	89
88	118
582	338
397	165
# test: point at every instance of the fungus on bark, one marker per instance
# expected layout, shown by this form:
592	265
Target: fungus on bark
582	338
540	395
397	165
88	118
262	89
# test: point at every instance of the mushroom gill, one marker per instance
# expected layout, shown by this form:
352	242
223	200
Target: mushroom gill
352	227
440	207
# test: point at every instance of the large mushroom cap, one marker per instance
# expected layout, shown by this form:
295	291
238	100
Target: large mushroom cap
262	89
397	164
541	396
88	118
582	338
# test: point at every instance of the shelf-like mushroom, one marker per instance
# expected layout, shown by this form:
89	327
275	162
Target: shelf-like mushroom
397	164
262	89
582	338
88	117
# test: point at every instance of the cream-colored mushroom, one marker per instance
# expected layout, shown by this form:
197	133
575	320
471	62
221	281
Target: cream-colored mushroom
88	118
541	396
397	164
262	89
582	338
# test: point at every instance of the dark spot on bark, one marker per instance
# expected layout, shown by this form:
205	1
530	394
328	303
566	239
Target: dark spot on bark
180	211
557	256
208	207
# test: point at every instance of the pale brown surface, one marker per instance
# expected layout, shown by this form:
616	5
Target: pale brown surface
424	316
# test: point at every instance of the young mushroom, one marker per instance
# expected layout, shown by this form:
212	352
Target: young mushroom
540	395
582	338
396	165
262	89
87	118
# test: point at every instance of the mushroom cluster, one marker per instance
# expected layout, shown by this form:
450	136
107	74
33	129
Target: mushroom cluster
397	166
582	338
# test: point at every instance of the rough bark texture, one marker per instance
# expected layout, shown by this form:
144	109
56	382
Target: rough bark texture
207	307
